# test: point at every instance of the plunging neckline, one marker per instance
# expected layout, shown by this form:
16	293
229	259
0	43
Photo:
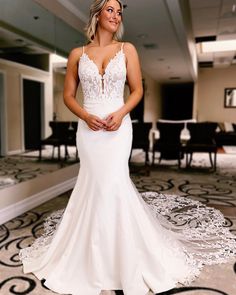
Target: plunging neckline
108	64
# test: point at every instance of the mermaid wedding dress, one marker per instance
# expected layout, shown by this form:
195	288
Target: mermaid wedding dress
109	236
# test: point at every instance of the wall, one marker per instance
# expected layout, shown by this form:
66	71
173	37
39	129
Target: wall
14	102
210	94
152	104
60	109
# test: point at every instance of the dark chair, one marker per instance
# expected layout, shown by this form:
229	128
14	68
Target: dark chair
202	140
169	144
71	138
224	137
61	135
141	132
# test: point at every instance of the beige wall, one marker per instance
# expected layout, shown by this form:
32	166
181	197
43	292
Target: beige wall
152	103
14	102
210	94
60	109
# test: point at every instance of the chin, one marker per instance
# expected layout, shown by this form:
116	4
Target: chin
114	29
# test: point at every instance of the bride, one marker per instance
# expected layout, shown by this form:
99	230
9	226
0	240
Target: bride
110	237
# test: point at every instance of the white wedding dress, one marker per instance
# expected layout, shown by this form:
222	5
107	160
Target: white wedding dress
109	236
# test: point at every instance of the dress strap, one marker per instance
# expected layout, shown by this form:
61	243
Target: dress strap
122	45
83	50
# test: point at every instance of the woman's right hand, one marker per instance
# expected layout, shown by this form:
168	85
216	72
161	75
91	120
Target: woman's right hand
94	122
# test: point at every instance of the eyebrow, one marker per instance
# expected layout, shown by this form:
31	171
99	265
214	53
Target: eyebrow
113	8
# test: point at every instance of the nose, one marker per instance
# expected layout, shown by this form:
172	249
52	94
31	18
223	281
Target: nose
114	15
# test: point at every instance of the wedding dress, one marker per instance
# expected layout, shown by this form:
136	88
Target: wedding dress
109	236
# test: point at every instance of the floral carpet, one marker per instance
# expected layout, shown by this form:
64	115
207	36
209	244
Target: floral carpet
216	189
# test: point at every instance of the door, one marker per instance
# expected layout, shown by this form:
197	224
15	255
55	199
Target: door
3	148
33	102
177	101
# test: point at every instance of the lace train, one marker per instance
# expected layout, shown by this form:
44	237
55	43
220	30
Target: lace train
202	230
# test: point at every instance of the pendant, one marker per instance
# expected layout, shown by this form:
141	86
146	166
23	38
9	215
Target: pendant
102	85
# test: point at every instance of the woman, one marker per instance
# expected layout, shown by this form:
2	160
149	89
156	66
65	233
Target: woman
109	238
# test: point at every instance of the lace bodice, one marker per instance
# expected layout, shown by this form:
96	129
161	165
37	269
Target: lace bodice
110	85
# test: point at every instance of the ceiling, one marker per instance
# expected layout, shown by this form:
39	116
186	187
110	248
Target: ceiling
163	32
11	43
214	20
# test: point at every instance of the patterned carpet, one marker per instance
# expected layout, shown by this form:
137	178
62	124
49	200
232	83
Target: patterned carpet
19	168
216	189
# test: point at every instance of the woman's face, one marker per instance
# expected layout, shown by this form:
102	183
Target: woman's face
110	17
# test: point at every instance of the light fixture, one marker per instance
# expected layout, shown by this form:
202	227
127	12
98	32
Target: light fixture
142	36
58	59
218	46
150	46
174	78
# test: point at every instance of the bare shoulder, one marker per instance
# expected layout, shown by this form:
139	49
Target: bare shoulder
75	54
129	48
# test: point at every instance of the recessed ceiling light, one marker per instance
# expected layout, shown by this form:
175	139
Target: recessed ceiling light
150	46
175	78
19	40
142	36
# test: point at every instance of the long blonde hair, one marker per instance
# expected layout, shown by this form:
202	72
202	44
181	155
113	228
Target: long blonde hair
91	26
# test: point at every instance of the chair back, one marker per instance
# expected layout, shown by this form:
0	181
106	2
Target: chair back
60	129
169	132
202	132
141	131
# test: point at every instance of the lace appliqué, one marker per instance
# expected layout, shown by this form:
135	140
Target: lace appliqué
201	229
110	85
41	244
200	232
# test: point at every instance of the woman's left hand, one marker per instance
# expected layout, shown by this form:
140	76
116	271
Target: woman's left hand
113	121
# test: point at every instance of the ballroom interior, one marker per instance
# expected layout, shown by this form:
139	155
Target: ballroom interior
187	51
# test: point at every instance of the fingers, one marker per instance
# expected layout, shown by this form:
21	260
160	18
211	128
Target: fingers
113	123
113	127
109	124
95	123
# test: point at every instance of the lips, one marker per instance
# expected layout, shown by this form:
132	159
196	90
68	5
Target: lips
114	23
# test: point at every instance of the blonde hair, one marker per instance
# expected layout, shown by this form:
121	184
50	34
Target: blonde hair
91	26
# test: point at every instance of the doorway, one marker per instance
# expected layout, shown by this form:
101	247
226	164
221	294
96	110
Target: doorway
33	106
177	101
3	126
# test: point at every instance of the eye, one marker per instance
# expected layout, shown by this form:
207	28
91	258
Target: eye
110	10
119	13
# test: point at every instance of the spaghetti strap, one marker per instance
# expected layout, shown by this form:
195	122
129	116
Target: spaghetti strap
122	45
83	50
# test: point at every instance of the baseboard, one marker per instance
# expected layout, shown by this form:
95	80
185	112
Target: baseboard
35	200
16	152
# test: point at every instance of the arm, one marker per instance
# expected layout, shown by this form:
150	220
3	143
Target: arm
134	78
70	88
